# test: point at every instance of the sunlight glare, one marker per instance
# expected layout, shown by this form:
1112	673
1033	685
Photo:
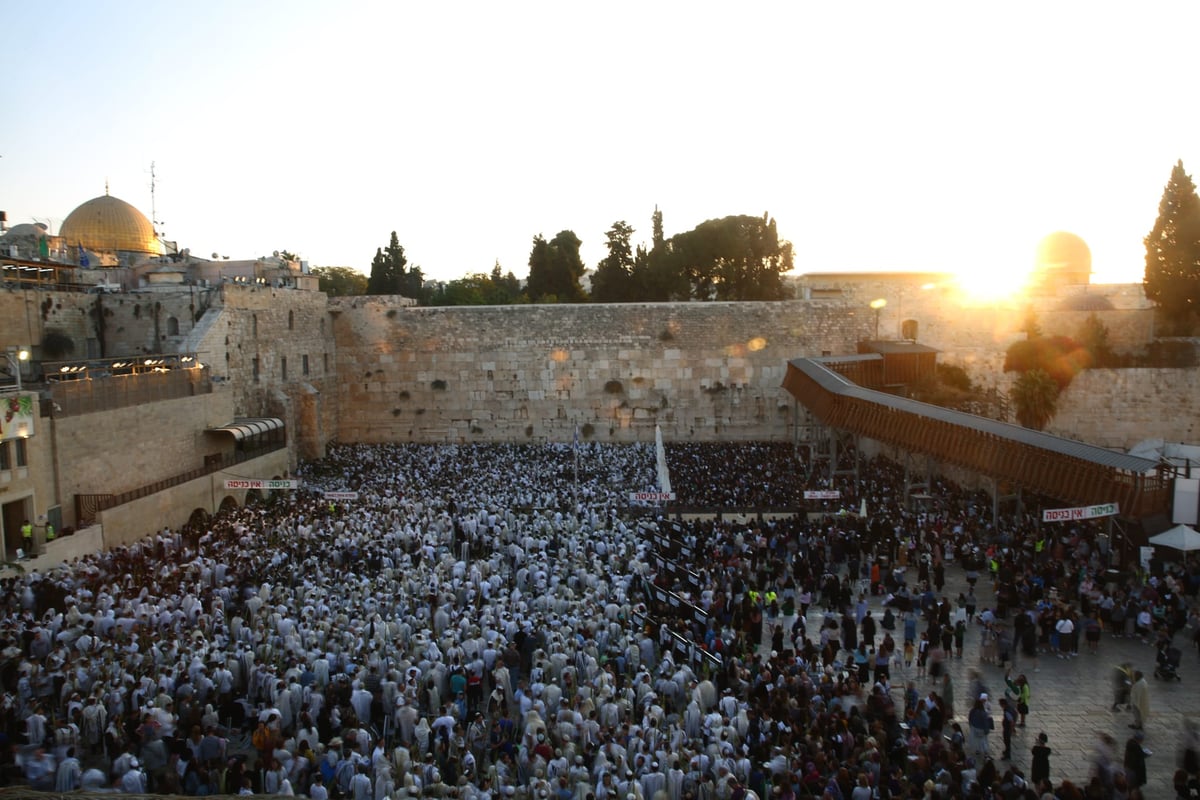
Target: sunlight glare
998	276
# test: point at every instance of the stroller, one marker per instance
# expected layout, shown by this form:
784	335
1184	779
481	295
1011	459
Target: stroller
1167	663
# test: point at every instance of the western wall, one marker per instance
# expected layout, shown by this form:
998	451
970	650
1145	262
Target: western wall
375	369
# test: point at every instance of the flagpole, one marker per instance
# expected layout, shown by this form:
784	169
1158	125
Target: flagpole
575	485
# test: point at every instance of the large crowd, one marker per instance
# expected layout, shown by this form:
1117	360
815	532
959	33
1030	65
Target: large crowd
485	622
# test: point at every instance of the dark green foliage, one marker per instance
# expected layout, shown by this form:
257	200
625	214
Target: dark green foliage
954	376
587	430
1093	335
1169	354
479	289
1060	357
613	387
613	280
340	281
1172	279
390	273
733	258
1035	397
555	268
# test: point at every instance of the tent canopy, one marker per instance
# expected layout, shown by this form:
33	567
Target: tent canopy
1181	537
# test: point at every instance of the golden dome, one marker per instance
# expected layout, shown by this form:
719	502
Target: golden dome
106	223
1066	256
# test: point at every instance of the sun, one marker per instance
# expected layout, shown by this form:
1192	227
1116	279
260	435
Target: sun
991	283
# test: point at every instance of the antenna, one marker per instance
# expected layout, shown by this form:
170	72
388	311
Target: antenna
154	220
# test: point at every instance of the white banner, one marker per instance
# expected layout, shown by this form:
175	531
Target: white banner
822	494
260	484
651	497
1084	512
341	495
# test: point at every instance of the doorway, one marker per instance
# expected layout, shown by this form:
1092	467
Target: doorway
12	514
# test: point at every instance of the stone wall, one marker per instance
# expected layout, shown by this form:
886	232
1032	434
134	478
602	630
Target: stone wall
275	348
130	522
517	373
1121	407
115	451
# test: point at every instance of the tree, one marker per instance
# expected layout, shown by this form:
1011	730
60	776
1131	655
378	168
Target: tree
613	279
655	275
478	290
390	273
1172	279
1060	357
1035	397
733	258
340	281
1093	335
555	268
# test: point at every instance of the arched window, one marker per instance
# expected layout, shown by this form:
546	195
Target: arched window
291	320
172	326
908	330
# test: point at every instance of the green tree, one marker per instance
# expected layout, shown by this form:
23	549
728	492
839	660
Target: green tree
1035	398
390	273
555	268
733	258
656	275
1060	357
503	289
478	289
340	281
613	279
1093	335
1172	279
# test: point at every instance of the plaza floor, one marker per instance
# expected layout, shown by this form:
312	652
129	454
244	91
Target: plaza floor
1071	699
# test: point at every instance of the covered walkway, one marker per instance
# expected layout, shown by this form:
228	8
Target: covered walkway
1075	473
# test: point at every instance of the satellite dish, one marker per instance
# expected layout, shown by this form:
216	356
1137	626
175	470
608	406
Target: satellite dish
276	254
215	255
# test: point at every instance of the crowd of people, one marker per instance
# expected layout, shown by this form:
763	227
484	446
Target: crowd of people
482	622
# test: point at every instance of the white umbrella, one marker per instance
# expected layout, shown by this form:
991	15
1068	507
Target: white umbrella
1181	537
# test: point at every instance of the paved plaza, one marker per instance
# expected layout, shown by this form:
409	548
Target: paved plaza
1071	698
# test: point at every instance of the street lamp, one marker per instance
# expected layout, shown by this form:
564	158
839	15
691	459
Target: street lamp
878	305
14	356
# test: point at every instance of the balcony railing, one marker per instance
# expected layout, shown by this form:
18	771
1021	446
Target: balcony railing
87	506
85	387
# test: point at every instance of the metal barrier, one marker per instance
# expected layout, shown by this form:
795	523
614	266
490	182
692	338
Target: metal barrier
87	506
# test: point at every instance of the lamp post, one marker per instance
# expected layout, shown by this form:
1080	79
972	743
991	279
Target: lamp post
14	356
878	305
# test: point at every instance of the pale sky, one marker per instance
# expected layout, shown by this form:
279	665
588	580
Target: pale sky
880	135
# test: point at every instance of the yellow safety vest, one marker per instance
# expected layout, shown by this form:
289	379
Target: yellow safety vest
27	531
49	532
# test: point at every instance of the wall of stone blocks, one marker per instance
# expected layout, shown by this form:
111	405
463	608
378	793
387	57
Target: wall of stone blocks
1120	407
122	449
280	328
133	323
518	373
132	521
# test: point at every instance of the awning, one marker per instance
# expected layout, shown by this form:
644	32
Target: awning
251	426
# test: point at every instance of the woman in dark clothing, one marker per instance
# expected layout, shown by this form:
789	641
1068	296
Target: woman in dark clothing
1039	769
1135	761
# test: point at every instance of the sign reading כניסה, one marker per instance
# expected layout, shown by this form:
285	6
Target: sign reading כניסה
1083	512
245	483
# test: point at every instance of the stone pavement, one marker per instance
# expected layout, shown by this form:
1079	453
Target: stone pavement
1071	699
